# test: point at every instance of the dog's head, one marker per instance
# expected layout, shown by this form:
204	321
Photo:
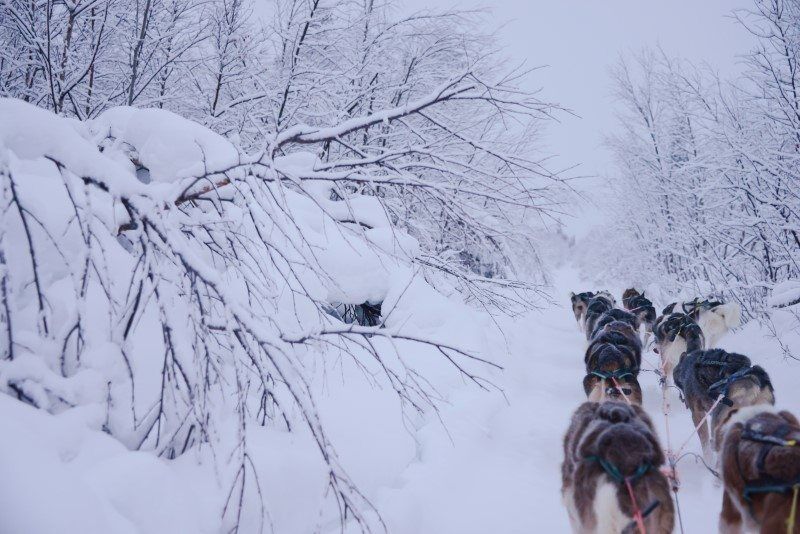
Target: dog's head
630	293
580	301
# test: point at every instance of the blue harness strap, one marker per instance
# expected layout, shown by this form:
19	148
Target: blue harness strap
619	374
615	474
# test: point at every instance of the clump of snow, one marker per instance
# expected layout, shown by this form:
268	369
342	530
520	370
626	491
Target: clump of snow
31	133
168	145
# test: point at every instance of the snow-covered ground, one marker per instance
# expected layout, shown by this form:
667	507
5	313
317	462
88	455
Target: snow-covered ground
500	472
489	463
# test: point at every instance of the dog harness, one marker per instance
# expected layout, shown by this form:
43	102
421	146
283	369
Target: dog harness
694	307
615	377
697	305
619	374
678	325
721	387
619	478
766	483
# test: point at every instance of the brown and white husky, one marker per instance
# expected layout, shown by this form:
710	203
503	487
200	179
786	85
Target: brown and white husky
760	461
611	480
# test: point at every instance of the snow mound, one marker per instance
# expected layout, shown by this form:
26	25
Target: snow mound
168	145
32	133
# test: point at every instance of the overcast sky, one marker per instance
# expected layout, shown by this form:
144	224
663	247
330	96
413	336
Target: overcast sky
579	40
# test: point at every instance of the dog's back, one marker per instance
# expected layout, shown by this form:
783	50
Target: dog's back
698	375
598	305
698	370
608	447
746	388
760	463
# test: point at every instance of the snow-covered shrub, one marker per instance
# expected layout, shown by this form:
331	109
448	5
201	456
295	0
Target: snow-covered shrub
460	177
175	292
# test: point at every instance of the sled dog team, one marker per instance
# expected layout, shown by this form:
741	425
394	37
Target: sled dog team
614	477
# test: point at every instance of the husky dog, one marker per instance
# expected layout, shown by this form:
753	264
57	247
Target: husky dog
695	376
760	461
639	305
601	303
611	377
714	317
580	302
676	334
610	475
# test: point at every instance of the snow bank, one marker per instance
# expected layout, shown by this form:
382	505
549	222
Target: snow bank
60	477
785	294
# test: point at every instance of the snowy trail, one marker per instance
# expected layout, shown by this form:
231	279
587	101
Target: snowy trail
501	471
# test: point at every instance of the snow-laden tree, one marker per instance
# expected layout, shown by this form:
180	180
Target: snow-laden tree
708	169
177	288
319	63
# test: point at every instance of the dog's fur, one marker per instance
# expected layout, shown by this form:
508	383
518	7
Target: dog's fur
615	315
642	307
623	436
752	389
580	301
766	512
676	334
714	317
598	305
695	374
617	336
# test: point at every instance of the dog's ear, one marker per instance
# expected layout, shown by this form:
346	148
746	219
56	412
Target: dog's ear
571	295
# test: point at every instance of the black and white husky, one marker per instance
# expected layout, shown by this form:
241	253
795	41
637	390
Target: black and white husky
715	318
676	334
